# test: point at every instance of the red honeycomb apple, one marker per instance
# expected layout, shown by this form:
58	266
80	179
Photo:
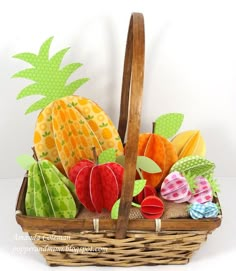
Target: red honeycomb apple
98	186
147	191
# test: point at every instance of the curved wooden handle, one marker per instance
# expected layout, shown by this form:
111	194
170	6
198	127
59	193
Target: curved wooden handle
130	109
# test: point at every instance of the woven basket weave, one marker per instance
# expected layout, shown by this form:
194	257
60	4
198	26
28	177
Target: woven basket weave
127	241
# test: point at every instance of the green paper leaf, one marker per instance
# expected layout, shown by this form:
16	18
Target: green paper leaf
120	160
214	186
107	156
25	161
191	179
138	186
168	125
135	204
194	165
115	210
147	164
50	80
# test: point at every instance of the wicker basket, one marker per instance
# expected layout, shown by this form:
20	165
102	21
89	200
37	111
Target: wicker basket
125	242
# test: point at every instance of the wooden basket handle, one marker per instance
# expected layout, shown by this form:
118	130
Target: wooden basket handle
130	114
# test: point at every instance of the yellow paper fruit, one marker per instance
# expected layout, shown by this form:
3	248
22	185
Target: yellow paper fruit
189	143
67	129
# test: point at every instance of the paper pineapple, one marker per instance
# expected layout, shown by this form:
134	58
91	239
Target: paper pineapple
68	125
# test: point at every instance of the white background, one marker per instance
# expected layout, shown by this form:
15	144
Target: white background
190	68
190	65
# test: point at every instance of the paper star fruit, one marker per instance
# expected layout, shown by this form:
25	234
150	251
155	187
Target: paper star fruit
189	143
49	193
68	126
194	165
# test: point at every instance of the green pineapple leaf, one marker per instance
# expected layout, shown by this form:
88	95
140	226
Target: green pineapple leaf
49	80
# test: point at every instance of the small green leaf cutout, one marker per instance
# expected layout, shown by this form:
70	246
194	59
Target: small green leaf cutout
107	156
25	161
168	125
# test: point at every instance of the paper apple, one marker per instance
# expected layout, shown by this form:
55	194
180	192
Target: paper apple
175	188
152	207
157	146
98	184
147	191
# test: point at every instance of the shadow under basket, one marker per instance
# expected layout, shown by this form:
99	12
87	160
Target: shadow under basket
128	241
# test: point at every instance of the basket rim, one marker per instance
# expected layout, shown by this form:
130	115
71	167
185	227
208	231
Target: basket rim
77	224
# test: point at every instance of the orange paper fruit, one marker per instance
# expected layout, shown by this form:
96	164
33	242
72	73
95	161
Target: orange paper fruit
157	146
160	150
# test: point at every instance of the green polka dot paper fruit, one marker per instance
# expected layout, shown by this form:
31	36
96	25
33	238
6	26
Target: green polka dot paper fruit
98	183
49	193
68	125
157	146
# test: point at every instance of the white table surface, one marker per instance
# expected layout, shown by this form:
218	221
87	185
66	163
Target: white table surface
218	252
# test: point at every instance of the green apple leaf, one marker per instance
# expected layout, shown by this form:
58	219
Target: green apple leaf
135	204
25	161
138	186
168	125
107	156
115	210
147	164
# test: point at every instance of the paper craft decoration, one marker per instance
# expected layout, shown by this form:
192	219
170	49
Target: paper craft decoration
98	186
197	210
152	207
175	188
143	164
106	156
49	193
68	126
207	210
194	165
211	210
189	143
204	191
147	191
168	125
138	187
159	148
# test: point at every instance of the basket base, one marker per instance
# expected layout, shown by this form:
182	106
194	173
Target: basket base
139	248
